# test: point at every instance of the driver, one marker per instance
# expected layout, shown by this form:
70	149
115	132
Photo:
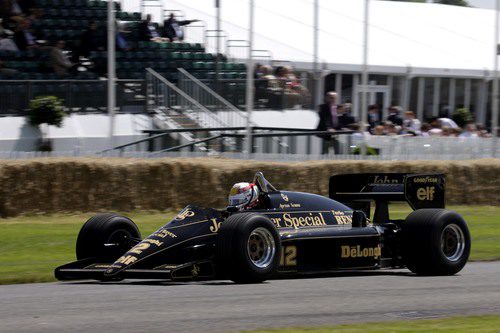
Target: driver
244	196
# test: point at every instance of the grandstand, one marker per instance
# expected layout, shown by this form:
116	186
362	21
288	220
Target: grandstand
427	82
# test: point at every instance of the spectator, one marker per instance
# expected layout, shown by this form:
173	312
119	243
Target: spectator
286	81
24	37
469	131
378	130
147	30
435	128
8	72
121	42
345	120
447	131
58	60
373	116
394	116
424	129
328	121
9	9
91	40
482	132
6	44
268	87
172	29
411	124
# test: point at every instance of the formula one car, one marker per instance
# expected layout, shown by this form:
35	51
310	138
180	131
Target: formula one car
287	234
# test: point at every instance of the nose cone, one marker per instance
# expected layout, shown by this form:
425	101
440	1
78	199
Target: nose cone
191	223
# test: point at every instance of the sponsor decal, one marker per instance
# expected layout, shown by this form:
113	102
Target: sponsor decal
288	256
426	193
139	248
384	180
126	260
195	271
153	241
215	225
284	196
185	213
357	251
303	221
162	233
426	179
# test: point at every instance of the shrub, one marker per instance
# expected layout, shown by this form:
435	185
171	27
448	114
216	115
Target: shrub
46	110
462	117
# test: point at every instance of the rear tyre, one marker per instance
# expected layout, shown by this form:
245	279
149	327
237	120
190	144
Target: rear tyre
248	248
435	242
106	236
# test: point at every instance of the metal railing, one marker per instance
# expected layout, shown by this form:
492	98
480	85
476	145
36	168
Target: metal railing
78	95
225	111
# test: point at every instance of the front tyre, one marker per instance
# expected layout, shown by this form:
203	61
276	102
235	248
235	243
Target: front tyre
248	248
435	242
106	236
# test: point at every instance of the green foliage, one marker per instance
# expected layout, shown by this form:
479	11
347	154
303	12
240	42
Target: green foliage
370	151
462	117
46	110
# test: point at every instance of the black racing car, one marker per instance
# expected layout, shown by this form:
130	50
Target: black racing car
291	233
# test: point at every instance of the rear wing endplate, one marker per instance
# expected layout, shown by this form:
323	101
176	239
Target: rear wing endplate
419	190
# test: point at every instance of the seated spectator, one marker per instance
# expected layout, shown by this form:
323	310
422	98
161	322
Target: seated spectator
8	72
6	44
287	84
172	29
147	30
469	131
121	41
411	124
58	60
394	116
24	37
267	87
91	40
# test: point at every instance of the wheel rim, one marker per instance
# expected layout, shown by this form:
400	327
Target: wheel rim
452	242
118	238
261	247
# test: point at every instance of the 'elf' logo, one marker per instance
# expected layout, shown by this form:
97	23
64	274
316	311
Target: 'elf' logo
426	193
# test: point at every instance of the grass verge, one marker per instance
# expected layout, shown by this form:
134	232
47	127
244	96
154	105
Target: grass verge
32	246
483	324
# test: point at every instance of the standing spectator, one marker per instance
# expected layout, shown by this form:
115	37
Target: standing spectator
24	37
147	29
345	119
58	60
411	124
482	132
172	29
91	40
469	131
328	120
424	129
394	116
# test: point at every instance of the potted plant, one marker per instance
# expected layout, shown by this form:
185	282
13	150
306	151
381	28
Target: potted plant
45	110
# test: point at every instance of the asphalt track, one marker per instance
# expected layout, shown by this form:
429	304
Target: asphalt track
145	306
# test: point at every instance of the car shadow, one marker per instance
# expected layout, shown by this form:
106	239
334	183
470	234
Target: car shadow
225	282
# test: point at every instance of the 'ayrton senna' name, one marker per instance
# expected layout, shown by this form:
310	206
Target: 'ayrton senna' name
358	252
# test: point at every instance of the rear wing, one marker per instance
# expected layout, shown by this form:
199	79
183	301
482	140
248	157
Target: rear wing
419	190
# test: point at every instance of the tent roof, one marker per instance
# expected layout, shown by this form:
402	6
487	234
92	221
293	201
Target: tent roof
401	34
